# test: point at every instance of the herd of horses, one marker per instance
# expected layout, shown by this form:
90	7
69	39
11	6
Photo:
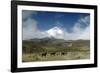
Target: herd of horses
53	54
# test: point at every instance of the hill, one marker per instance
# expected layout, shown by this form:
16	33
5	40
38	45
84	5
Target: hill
54	45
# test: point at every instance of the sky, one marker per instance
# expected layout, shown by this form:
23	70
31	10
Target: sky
61	25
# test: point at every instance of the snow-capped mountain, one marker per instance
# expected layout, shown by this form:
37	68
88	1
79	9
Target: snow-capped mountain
55	32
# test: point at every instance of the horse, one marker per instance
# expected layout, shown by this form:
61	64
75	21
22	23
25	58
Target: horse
63	53
44	54
53	53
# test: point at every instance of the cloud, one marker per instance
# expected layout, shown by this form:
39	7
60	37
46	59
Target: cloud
30	26
78	32
30	29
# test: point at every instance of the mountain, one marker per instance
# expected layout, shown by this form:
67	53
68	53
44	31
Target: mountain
55	32
51	40
54	35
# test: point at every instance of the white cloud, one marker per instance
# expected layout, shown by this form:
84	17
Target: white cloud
30	30
29	27
78	32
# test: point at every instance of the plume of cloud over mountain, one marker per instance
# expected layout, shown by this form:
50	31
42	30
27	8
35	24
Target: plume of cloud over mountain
31	30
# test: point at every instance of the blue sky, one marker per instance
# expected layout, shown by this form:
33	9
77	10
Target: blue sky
44	20
47	20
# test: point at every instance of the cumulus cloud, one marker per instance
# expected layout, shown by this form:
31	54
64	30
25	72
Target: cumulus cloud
30	29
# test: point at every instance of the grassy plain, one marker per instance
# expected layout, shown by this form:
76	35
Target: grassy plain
42	49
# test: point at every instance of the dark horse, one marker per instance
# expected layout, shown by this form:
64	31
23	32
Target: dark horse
53	53
63	53
44	54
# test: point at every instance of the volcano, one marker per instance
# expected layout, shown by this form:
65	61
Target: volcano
55	32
